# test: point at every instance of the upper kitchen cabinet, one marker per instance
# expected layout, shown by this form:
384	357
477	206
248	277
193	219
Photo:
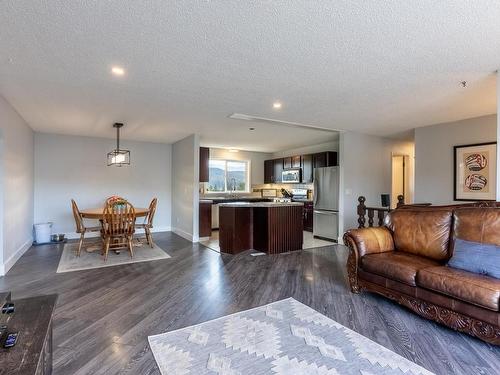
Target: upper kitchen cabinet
269	171
307	169
292	162
272	171
204	160
278	169
325	159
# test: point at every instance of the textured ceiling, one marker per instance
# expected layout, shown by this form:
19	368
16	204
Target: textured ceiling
379	67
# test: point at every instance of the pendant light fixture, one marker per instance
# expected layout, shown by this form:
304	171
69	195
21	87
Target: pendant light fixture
118	157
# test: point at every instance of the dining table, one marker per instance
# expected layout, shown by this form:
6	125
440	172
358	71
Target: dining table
96	214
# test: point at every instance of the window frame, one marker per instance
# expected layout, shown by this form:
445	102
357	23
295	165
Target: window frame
248	182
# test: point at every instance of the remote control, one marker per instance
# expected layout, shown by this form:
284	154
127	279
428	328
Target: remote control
11	340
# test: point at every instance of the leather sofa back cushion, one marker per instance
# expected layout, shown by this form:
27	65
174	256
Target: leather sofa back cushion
476	257
478	225
421	232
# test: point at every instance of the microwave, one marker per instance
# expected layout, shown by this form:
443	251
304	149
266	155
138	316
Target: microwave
291	176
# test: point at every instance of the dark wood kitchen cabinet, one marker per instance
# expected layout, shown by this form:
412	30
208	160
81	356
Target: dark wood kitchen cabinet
205	217
287	162
307	169
272	171
274	167
278	168
269	171
291	162
204	167
296	161
308	215
325	159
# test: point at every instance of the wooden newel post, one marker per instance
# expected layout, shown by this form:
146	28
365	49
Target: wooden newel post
361	212
401	200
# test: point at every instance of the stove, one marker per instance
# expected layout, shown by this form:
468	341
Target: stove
299	195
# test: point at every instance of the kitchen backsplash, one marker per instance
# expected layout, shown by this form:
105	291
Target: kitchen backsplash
257	188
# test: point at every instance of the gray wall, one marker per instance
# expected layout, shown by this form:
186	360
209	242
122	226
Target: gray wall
365	169
69	167
185	187
434	154
16	186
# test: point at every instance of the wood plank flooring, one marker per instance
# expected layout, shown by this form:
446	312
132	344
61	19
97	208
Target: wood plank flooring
103	316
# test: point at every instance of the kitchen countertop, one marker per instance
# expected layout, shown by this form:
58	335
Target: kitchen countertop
206	201
260	204
217	200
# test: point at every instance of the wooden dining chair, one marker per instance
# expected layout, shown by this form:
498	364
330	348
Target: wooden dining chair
148	222
118	227
80	226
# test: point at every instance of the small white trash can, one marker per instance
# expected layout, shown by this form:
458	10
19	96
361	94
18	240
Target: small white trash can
43	232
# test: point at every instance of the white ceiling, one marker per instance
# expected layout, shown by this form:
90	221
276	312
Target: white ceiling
379	67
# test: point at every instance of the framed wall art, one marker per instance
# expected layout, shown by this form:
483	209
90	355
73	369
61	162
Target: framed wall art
475	172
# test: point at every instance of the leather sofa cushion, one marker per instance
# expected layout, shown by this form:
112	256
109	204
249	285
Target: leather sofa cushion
396	265
477	225
476	289
421	232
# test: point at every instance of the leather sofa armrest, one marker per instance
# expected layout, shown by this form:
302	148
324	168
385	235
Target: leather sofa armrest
361	242
370	240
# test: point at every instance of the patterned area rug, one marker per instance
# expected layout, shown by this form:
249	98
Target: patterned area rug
284	337
88	260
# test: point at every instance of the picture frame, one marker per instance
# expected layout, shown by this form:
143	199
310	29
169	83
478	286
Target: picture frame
475	172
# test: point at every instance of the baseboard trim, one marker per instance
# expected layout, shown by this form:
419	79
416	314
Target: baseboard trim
183	234
15	257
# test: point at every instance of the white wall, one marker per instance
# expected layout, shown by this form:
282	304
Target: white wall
16	186
69	167
185	187
365	169
332	145
256	161
434	155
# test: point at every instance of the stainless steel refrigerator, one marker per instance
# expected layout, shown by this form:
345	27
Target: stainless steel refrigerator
326	203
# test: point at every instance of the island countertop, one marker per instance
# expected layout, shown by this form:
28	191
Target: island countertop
260	204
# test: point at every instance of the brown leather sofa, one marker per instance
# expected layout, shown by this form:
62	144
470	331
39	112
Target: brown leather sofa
405	260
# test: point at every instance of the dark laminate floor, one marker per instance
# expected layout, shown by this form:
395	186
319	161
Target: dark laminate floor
104	316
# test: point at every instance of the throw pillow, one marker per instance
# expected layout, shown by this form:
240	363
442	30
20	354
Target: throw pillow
476	257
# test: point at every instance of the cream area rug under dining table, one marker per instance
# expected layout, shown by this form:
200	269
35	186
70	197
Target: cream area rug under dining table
88	260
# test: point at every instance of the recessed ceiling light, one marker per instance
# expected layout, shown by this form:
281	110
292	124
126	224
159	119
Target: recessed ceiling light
276	105
233	150
117	70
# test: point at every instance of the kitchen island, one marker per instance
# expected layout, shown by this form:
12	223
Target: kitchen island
263	226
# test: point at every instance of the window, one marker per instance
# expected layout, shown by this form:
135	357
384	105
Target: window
228	176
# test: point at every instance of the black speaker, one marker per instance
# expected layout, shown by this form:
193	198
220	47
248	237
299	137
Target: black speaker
386	200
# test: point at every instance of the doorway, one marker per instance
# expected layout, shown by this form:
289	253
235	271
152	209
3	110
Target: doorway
400	178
